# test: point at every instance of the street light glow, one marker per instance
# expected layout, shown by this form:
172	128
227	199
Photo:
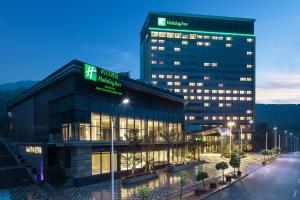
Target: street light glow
275	128
126	101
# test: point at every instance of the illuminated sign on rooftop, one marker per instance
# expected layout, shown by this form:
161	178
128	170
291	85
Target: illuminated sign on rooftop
162	21
107	81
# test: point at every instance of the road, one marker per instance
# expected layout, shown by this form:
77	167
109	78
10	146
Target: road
279	180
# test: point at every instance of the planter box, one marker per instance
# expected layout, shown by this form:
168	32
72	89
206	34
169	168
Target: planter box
213	185
139	178
228	178
181	167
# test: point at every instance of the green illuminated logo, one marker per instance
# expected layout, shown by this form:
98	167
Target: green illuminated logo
161	21
90	72
106	81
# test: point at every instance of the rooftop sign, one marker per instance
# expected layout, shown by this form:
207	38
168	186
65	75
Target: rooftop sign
107	81
162	21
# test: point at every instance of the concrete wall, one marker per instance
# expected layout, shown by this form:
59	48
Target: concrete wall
81	159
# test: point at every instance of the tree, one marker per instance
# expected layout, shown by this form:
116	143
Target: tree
265	153
143	192
133	138
183	176
169	137
235	162
201	176
149	146
222	165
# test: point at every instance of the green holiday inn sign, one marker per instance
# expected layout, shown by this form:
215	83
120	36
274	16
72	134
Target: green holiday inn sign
107	81
162	21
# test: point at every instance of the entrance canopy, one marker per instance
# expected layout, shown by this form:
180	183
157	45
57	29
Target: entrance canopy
211	132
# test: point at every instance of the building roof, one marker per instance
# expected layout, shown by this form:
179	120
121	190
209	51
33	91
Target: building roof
77	67
201	16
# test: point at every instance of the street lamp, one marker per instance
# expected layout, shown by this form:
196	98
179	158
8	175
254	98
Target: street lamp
230	124
275	137
291	134
286	133
266	140
112	161
241	133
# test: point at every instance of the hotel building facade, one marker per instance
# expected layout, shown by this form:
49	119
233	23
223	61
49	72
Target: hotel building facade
67	119
209	60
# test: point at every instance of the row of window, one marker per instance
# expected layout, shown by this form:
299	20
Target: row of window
185	42
214	98
227	118
207	91
191	36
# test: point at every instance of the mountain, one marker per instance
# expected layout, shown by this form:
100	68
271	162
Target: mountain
10	90
283	116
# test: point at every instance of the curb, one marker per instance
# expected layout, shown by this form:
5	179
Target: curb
230	184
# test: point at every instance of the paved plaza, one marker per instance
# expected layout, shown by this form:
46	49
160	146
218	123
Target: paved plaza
166	183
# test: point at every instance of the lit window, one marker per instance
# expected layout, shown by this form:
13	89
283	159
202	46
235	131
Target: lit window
249	136
249	53
249	66
206	78
249	39
193	36
199	36
228	45
206	91
228	38
214	118
176	76
192	117
199	84
206	104
154	82
200	43
228	98
177	90
154	76
228	91
249	111
192	90
235	92
154	33
162	34
215	38
184	42
207	37
184	76
170	35
234	98
242	91
161	41
249	92
169	76
161	76
176	62
228	104
206	97
177	83
221	85
221	38
161	62
221	98
207	44
242	98
221	91
177	35
206	117
186	97
214	98
199	97
161	48
184	90
185	36
206	64
153	47
249	98
169	83
214	64
192	97
177	49
153	62
199	91
192	84
153	40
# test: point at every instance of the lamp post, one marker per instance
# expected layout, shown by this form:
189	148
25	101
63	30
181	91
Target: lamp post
291	134
279	140
112	161
275	137
266	140
286	145
230	124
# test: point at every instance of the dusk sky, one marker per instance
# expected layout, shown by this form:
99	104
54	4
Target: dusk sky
36	38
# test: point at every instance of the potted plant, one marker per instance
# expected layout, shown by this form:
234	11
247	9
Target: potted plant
143	192
265	153
200	177
234	162
222	166
182	175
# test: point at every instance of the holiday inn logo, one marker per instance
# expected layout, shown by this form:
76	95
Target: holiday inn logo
90	72
161	21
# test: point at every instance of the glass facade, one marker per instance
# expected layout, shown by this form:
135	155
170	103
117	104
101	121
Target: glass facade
212	66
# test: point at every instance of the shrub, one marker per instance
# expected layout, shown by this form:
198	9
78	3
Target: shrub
182	175
222	165
143	192
235	162
201	176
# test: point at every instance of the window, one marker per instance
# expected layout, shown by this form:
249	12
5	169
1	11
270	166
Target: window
176	62
199	84
153	47
161	48
154	76
154	82
153	40
176	77
206	78
228	45
101	162
177	83
199	43
177	90
161	76
184	42
161	41
228	38
249	40
249	66
184	76
199	91
184	90
249	53
177	49
169	76
153	62
192	83
169	83
154	33
206	104
207	44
